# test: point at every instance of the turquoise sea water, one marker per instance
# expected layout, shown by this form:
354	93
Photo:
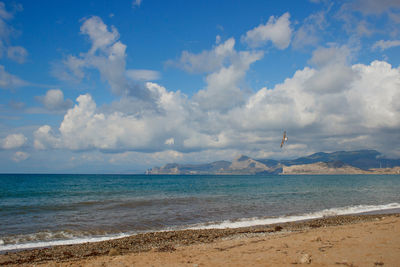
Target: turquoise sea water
41	209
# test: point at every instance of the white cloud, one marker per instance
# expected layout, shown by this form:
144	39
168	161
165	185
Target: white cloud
107	55
207	60
13	141
317	110
20	156
364	17
44	138
85	128
143	75
9	81
383	45
4	14
136	3
17	53
373	7
276	30
225	68
318	106
70	69
331	55
375	95
332	78
54	100
217	39
334	74
222	91
311	31
99	34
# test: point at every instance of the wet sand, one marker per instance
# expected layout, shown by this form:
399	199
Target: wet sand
362	240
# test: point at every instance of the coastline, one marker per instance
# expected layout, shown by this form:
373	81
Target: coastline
170	241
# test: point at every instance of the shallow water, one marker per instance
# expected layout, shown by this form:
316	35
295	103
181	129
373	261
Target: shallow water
59	209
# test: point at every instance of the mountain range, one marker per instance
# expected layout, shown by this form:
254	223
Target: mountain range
340	162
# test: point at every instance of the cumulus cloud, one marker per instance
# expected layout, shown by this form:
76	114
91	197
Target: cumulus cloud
54	100
115	131
106	55
323	56
334	73
20	156
316	111
276	30
383	45
320	105
225	68
331	79
10	81
44	138
222	91
13	141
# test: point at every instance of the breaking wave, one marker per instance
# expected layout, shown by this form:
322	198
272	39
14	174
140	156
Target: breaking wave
292	218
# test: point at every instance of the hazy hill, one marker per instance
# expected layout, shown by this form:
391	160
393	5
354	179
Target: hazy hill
333	167
361	161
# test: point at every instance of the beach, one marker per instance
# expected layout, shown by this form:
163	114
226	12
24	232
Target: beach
352	240
52	210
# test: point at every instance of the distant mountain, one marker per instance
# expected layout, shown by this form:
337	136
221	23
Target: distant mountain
174	168
361	161
240	165
333	167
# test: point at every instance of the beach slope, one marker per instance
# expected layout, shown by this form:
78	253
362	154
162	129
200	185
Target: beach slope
365	240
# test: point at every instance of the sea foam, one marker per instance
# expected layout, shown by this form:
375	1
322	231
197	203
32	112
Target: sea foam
306	216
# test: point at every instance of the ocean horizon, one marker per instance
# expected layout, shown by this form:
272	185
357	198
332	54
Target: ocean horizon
38	210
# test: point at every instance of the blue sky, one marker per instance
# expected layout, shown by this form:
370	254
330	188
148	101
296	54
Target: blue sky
121	86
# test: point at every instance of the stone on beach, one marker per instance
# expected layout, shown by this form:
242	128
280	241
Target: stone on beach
305	258
113	252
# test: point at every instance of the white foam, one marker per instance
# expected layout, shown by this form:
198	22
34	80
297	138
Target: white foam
314	215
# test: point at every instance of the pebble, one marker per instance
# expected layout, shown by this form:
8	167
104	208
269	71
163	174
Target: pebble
113	252
305	259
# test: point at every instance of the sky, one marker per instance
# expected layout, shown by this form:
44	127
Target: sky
123	86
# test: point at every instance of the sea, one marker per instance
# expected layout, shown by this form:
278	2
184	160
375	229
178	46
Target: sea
40	210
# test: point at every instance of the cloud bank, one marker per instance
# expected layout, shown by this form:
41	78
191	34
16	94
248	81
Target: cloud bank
345	105
330	102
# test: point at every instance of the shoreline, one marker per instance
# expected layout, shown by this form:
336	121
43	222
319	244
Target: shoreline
227	224
170	240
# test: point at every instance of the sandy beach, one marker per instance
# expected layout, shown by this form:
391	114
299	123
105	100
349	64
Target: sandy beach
364	240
